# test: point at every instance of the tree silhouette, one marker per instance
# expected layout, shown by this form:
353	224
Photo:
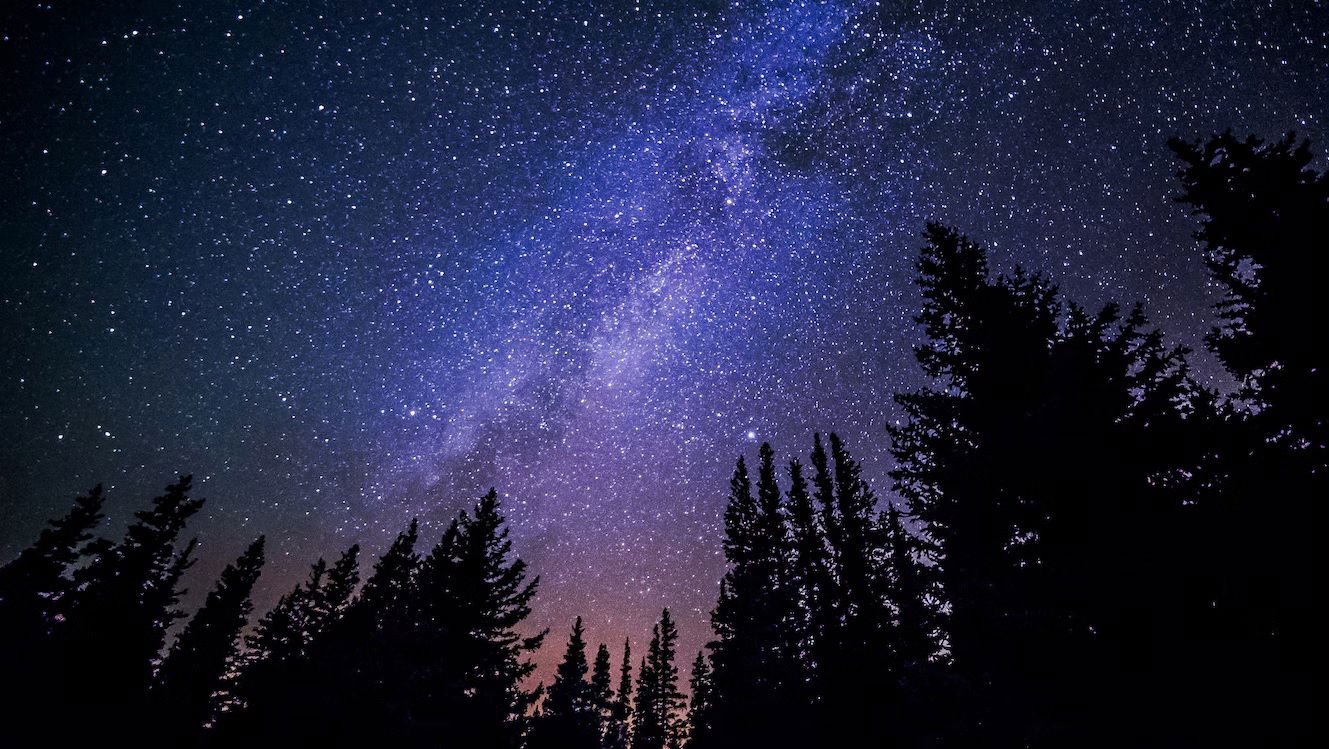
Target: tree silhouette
192	672
273	689
35	594
602	691
1263	226
811	581
35	585
493	598
1022	464
757	653
914	638
699	710
119	614
569	717
657	719
620	713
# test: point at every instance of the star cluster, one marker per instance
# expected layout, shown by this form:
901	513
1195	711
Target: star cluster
355	262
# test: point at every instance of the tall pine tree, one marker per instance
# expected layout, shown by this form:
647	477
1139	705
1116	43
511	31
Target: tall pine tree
602	690
35	594
192	672
699	710
620	715
657	720
1263	225
119	615
569	717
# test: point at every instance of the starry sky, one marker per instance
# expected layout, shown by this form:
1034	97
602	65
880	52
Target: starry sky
354	262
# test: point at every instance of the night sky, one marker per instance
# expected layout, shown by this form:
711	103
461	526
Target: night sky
354	262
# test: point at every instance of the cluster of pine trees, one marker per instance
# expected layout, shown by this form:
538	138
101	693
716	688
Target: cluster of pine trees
425	653
585	713
426	648
1103	552
1089	548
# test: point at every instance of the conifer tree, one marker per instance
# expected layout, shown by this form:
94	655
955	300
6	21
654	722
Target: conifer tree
35	594
323	668
192	672
328	601
659	701
617	735
1263	224
466	661
765	618
810	577
273	685
569	717
646	729
860	541
361	666
778	606
602	689
35	585
827	617
119	616
494	589
737	648
986	347
1020	465
285	632
698	720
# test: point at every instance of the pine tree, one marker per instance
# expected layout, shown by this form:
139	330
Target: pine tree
620	715
119	615
779	605
321	666
1021	463
646	730
1263	224
35	594
698	721
569	717
192	672
810	578
602	689
465	662
1264	227
360	666
762	692
860	541
273	678
329	600
828	616
35	585
659	700
285	632
987	348
736	651
855	670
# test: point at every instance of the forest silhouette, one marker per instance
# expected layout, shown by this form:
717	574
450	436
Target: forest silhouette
1084	547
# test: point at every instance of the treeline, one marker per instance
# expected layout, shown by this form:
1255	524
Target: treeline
1087	547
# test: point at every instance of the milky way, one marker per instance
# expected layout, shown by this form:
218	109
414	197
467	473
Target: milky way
351	263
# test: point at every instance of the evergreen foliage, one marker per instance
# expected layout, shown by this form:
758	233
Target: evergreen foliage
570	715
204	652
657	719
